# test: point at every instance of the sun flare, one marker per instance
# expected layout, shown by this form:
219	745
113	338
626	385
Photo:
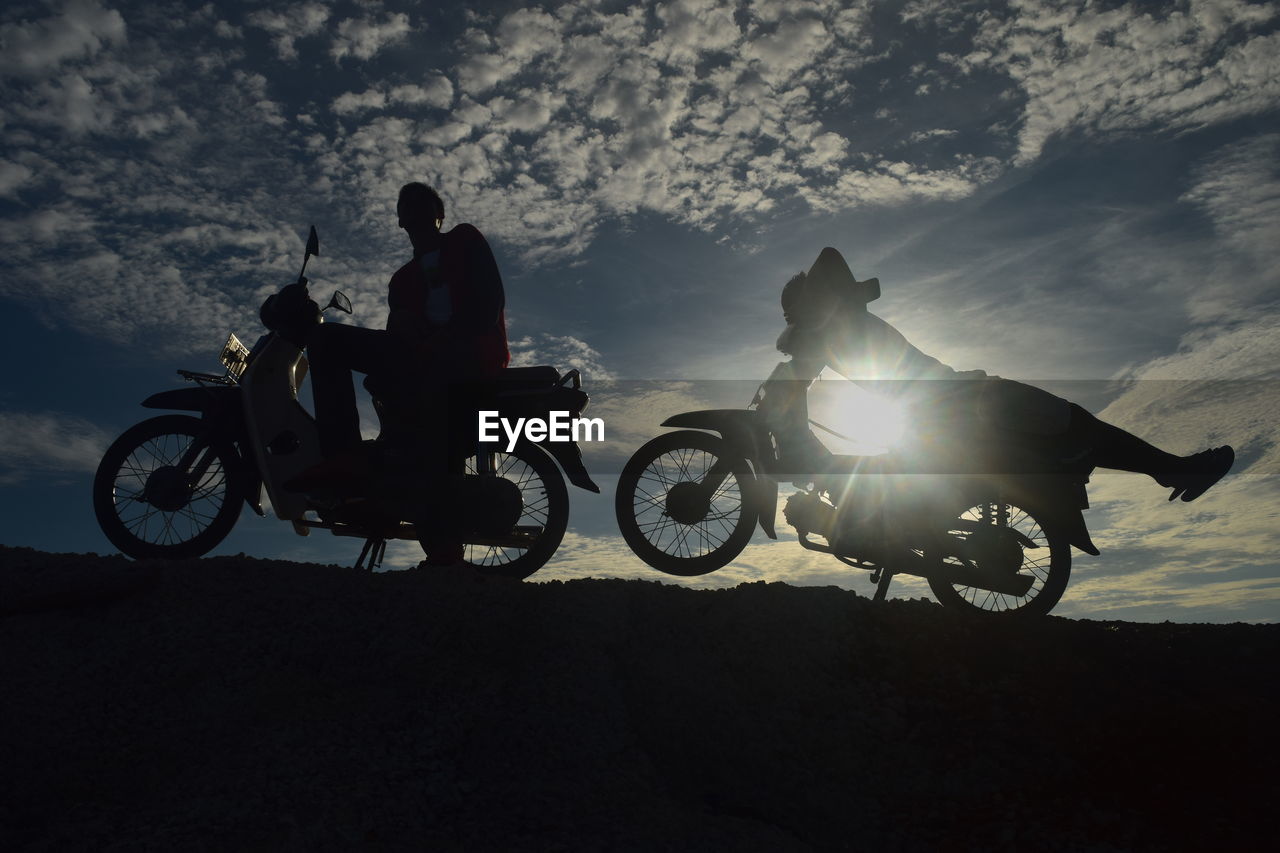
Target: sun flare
872	423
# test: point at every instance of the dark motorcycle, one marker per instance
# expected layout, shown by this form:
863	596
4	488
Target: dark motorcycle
172	486
989	519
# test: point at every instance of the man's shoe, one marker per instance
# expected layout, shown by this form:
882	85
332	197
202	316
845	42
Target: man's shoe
444	553
1202	470
428	565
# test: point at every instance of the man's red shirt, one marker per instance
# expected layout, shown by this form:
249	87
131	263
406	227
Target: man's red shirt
475	337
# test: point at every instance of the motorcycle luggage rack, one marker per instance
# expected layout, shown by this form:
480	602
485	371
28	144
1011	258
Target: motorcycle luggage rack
202	378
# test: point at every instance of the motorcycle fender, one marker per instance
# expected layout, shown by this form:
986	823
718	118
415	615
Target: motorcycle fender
213	403
739	428
253	494
1063	509
569	455
766	501
1077	532
221	406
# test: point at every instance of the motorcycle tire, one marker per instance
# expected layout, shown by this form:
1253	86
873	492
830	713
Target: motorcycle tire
545	507
149	509
644	505
1049	565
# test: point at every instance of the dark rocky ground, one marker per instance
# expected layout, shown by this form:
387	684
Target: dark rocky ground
243	704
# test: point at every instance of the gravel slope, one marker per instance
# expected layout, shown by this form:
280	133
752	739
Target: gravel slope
235	703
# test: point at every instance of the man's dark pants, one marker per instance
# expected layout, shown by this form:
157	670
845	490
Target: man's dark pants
334	352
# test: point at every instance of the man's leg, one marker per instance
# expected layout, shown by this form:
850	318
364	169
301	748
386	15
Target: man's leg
446	438
784	407
1188	476
333	352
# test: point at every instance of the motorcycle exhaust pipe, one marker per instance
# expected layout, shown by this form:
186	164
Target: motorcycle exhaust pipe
478	507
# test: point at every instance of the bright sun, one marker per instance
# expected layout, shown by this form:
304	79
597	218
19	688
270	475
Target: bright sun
873	423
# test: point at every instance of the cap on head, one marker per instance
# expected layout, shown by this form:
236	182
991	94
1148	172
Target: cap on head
419	204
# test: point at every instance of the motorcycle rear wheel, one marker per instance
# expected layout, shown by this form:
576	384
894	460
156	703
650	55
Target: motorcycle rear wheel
148	508
1049	565
658	479
545	510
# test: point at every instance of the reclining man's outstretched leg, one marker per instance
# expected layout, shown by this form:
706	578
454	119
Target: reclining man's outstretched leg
1188	476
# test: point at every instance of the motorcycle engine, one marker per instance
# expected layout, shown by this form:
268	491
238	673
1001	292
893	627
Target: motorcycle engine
491	506
808	513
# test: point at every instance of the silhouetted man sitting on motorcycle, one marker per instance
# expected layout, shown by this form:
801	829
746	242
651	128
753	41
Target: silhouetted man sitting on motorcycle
446	327
828	324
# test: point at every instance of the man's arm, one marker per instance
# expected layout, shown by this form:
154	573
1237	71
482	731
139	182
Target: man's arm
485	297
399	314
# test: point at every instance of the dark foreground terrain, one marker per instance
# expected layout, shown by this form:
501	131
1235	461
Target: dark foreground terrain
242	704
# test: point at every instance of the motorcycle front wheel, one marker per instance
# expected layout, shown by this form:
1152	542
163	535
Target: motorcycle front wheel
670	518
544	515
165	489
1049	565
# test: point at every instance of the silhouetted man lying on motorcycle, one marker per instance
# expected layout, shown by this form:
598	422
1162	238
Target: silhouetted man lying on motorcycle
446	328
828	324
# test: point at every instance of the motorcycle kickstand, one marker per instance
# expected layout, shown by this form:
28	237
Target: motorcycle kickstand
374	548
881	578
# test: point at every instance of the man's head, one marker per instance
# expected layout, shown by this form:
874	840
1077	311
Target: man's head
418	207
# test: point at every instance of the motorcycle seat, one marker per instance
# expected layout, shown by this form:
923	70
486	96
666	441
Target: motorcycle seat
393	389
527	377
515	391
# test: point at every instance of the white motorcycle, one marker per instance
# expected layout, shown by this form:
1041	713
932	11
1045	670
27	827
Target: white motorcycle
172	486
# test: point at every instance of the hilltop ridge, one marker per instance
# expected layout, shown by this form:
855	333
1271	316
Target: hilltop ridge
237	702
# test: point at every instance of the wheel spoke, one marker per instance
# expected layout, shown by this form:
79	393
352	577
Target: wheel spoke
536	507
1038	563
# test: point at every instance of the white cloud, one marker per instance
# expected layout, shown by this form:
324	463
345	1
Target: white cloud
72	103
225	30
290	24
352	102
433	91
52	225
82	30
1220	387
527	33
549	125
480	72
938	12
33	443
791	48
1230	532
446	135
362	38
525	111
712	117
692	28
1239	189
925	135
1126	70
564	352
12	177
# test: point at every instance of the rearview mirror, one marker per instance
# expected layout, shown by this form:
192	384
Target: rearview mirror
340	301
313	248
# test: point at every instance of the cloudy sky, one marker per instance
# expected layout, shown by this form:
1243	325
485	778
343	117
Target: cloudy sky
1086	196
